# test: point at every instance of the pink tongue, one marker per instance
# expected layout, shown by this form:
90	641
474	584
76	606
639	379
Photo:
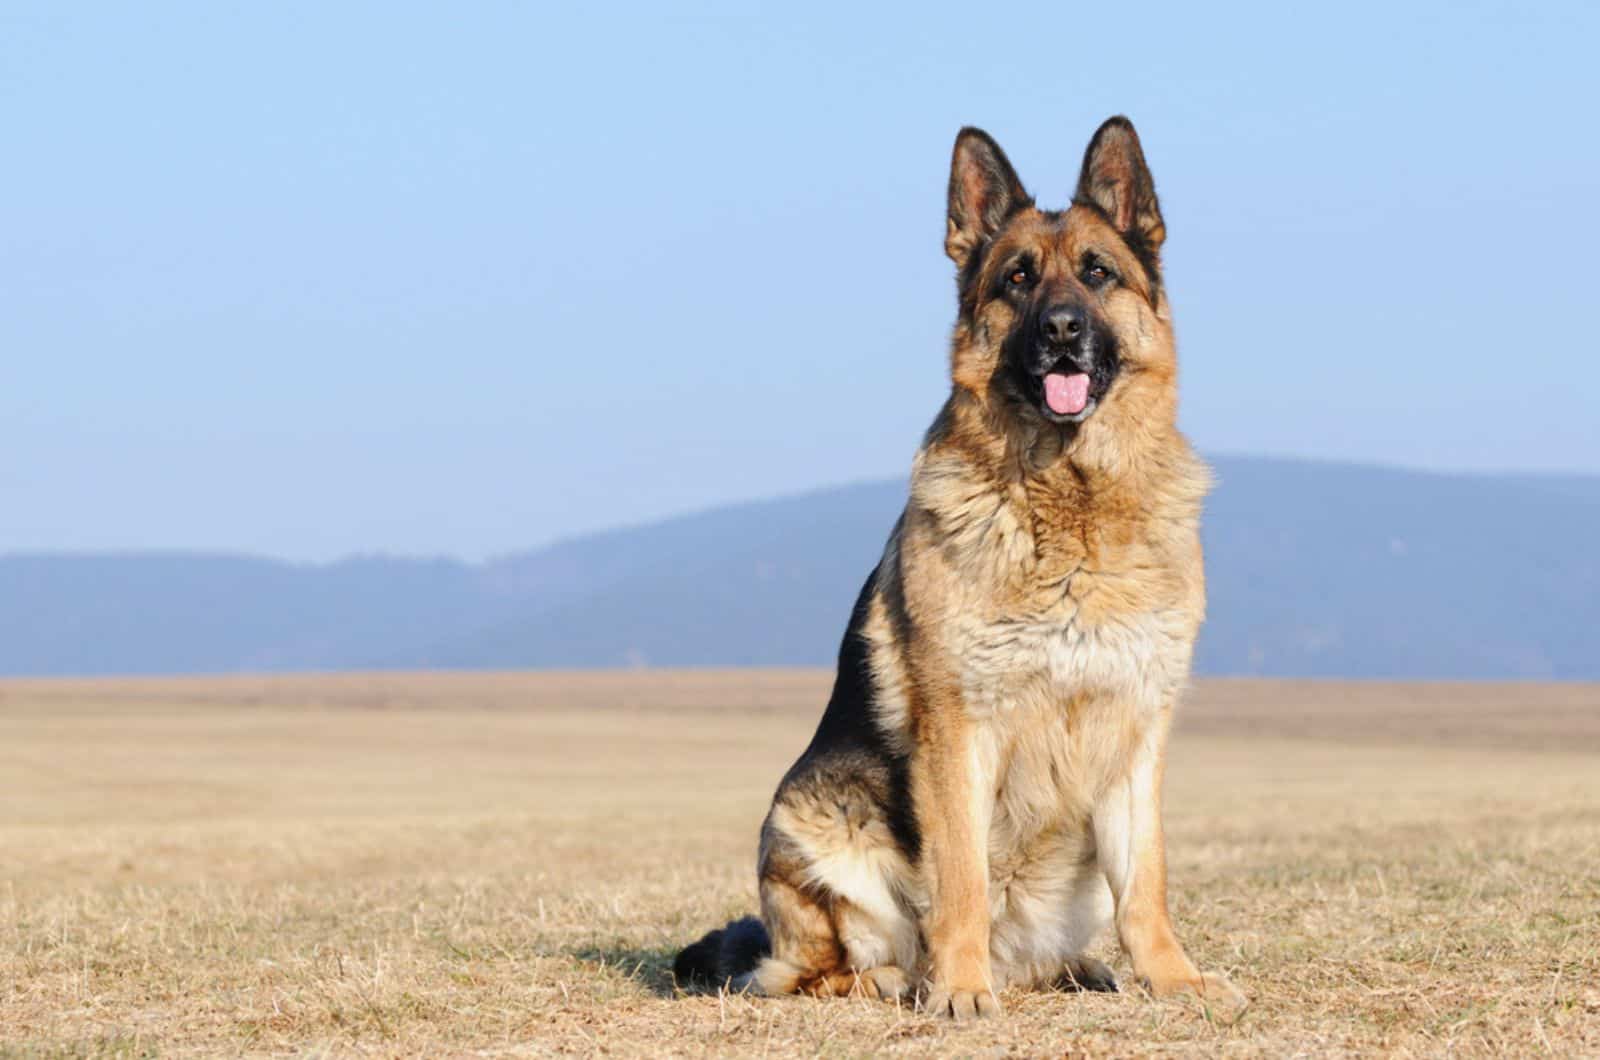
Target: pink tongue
1067	395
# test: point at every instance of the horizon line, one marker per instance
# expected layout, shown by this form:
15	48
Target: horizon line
214	552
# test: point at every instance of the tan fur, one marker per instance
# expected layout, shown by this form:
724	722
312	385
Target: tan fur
1027	636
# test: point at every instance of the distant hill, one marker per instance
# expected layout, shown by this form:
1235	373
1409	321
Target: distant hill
1315	570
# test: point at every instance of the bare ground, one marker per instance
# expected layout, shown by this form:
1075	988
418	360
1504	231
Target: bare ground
418	864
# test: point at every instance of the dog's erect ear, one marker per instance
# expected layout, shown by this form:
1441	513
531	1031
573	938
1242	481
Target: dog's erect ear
1116	179
984	191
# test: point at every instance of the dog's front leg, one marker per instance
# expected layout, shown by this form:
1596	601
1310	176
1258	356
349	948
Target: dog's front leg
1132	854
953	806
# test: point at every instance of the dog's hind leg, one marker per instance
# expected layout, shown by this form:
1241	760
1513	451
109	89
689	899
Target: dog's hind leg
821	946
1089	913
805	944
879	953
832	880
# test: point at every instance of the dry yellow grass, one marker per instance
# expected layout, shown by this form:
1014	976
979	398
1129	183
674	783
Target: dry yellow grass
485	864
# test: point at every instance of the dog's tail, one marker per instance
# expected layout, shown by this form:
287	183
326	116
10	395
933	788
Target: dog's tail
726	956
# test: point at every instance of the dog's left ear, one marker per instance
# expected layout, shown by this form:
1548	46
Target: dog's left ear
1116	179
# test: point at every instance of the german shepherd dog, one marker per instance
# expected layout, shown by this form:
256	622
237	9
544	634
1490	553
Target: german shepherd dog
983	794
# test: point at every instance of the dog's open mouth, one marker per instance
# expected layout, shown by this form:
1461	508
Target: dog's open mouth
1062	389
1066	395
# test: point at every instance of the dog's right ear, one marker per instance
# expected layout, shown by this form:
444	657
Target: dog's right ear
984	191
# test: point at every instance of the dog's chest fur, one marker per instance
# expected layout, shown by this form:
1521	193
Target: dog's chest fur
1049	592
1067	619
1067	623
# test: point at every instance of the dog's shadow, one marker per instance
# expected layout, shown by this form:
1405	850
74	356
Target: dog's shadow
651	968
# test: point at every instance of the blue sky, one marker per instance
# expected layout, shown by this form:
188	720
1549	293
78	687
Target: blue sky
311	279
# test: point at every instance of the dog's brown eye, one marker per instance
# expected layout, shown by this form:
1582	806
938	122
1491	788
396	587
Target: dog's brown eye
1018	277
1097	274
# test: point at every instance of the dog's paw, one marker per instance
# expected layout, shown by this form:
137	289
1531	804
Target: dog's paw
1086	973
960	1004
885	982
1219	999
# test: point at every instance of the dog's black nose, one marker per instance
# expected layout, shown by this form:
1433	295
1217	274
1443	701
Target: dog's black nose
1061	325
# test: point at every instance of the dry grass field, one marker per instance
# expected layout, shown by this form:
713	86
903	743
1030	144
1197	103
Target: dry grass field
409	864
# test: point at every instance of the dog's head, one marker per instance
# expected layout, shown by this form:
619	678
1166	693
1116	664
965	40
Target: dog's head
1059	309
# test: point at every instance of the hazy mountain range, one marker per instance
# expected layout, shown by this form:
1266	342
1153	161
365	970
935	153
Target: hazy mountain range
1315	570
